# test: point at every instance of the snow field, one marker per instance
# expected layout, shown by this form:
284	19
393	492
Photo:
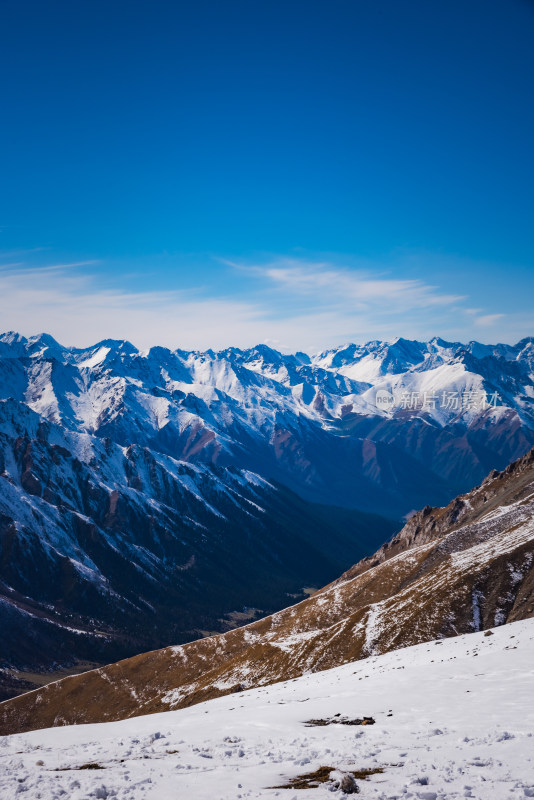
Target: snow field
461	726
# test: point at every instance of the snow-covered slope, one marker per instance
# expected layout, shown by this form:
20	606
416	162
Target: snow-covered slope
313	423
454	719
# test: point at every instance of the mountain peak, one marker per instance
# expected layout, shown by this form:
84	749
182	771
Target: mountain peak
116	345
44	345
12	337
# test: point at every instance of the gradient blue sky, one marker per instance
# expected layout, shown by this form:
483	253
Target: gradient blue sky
220	172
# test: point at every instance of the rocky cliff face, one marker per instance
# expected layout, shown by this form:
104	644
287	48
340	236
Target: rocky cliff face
452	570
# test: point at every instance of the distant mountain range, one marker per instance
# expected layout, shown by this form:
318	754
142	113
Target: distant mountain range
454	570
446	412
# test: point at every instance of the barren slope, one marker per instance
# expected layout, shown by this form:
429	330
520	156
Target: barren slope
455	570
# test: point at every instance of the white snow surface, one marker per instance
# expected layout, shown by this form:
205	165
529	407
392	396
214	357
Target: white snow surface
447	726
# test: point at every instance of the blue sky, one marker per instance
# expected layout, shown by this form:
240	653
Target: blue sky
305	173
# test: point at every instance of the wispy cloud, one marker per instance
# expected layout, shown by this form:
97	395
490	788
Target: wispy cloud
22	267
361	289
487	320
295	304
76	310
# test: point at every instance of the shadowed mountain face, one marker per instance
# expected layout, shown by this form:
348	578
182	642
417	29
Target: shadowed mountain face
465	567
310	423
108	551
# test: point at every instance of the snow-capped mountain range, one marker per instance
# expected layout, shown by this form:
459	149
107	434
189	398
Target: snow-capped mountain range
382	427
146	496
